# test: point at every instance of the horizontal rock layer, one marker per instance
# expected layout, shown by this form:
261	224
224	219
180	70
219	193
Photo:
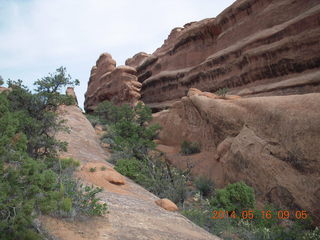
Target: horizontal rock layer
108	82
254	47
271	143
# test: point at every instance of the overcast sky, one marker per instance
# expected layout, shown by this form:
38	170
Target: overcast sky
38	36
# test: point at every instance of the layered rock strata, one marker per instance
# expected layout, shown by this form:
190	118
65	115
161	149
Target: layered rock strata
254	47
108	82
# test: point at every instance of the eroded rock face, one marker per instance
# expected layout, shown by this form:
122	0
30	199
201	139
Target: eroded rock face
254	47
108	82
271	143
137	59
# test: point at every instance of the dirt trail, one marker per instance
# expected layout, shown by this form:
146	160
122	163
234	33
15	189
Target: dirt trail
133	213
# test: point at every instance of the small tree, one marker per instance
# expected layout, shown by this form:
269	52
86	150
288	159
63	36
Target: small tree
55	82
1	81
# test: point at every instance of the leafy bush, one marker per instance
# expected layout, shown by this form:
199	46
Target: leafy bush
222	92
69	163
103	168
84	198
127	129
235	197
155	176
188	148
133	169
205	185
93	119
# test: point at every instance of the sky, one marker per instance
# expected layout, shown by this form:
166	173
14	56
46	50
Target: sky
38	36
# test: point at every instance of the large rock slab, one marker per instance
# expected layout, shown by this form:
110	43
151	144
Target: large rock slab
271	143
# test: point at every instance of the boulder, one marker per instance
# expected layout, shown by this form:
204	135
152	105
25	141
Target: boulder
114	177
167	204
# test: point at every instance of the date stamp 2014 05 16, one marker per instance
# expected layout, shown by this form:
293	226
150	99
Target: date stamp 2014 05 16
251	214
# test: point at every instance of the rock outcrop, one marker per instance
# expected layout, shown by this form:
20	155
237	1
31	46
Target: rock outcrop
108	82
271	143
254	47
70	92
137	59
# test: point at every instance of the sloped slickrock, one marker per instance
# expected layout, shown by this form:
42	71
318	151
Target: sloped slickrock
271	143
133	213
108	82
254	47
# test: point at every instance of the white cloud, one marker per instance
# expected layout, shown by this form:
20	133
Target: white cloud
38	36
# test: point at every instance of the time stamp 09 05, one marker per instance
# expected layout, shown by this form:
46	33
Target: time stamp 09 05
251	214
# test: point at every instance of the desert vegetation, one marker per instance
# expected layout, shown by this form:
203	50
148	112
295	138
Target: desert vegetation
222	92
131	140
33	179
188	148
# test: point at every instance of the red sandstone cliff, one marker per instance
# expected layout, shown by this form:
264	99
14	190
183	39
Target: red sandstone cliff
254	47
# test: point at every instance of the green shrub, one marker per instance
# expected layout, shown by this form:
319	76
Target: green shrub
69	163
84	198
103	168
188	148
156	176
205	185
93	119
93	169
133	169
235	197
127	129
222	92
67	100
